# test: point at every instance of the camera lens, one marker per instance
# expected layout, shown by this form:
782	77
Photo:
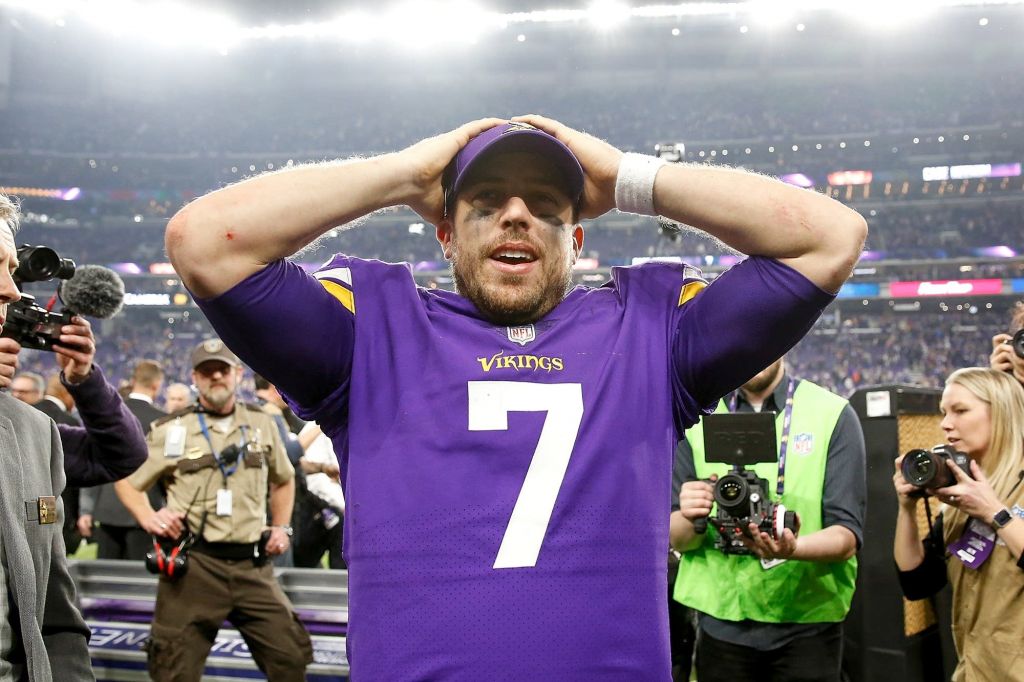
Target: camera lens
1018	343
732	494
919	467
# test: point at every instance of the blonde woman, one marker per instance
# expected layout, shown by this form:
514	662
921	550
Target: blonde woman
977	540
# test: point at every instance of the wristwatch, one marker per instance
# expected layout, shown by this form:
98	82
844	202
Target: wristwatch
287	530
1001	518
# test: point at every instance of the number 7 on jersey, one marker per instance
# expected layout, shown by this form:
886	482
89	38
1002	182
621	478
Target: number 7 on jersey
489	405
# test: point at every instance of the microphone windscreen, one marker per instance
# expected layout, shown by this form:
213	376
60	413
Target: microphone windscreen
94	291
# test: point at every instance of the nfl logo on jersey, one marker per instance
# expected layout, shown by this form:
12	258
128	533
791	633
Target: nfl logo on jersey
522	335
803	443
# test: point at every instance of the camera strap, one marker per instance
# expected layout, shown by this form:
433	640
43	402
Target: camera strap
787	422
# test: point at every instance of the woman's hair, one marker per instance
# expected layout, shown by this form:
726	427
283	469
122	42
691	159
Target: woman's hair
9	212
1004	396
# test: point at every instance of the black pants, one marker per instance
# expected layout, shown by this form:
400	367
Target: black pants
313	538
121	542
806	659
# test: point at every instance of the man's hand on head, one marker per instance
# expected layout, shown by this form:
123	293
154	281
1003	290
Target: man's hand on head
77	350
599	159
8	361
426	161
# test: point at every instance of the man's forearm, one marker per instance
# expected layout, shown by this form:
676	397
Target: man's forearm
756	215
135	501
111	445
835	543
243	227
282	499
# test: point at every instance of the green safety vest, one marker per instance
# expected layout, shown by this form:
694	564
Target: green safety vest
733	587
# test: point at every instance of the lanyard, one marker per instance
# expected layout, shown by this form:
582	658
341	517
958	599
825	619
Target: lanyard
220	465
787	422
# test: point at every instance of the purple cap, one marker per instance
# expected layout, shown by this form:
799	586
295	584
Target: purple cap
512	137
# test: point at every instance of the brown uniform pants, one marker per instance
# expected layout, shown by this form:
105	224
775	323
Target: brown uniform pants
190	611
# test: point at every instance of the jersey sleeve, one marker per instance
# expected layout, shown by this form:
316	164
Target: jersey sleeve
293	328
732	329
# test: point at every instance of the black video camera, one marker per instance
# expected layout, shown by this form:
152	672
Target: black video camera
28	323
741	496
927	469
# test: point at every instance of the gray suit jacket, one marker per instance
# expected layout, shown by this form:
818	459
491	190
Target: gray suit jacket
52	633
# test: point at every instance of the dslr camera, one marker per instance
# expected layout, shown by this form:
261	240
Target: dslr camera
927	469
28	323
1017	343
742	497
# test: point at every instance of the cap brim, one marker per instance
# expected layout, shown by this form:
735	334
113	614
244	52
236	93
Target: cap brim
514	140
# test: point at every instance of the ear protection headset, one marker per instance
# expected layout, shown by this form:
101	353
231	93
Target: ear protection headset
172	564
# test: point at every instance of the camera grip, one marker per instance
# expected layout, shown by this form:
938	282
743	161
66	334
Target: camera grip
700	526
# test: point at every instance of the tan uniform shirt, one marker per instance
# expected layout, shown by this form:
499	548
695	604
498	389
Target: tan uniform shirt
192	478
988	612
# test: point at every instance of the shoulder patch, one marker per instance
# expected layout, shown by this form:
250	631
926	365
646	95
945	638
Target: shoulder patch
691	289
338	283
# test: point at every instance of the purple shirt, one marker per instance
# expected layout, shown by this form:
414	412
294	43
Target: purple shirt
507	513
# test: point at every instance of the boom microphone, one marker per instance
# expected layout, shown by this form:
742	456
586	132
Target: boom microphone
94	291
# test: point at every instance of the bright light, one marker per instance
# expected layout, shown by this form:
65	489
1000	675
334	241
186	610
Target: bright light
770	13
607	14
458	22
886	14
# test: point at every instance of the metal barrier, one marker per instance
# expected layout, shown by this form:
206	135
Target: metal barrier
117	600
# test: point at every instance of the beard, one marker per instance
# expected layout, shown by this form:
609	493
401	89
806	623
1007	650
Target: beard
509	299
762	380
218	398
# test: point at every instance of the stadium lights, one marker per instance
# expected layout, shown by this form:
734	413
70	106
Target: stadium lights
432	22
606	15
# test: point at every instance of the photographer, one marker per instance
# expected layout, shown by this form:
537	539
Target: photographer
110	445
775	611
50	639
1004	356
977	540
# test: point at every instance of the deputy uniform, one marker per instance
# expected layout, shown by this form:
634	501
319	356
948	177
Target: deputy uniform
216	470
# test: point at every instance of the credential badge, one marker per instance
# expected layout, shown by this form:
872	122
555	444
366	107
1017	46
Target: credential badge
47	509
522	335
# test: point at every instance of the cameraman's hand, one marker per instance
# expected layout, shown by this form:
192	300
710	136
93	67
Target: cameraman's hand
1004	359
695	500
766	547
77	350
1002	353
8	361
165	523
974	497
904	490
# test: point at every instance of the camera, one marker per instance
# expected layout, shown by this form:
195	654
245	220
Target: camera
28	323
926	469
1017	343
741	496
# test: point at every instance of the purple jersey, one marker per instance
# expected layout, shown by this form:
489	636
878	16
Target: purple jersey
507	510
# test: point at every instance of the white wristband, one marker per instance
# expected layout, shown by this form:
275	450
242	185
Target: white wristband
634	186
